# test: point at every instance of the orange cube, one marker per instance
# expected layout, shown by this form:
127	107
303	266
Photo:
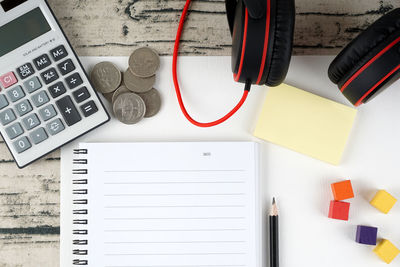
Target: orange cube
342	190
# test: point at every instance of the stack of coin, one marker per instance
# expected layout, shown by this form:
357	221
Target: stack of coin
132	94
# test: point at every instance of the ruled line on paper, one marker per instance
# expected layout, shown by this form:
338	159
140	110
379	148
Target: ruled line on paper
176	206
176	218
177	242
173	230
175	254
174	182
196	265
168	195
163	171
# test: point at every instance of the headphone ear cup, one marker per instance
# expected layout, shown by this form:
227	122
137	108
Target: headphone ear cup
379	33
281	36
262	47
237	35
366	53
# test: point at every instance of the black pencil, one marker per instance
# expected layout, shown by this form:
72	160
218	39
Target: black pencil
274	235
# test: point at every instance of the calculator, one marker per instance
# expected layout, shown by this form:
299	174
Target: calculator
46	99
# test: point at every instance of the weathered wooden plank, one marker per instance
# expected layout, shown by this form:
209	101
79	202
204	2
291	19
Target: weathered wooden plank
27	250
116	27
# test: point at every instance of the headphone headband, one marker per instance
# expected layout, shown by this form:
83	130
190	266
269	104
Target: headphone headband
255	8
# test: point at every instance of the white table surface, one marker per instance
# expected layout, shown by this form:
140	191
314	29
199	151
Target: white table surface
301	184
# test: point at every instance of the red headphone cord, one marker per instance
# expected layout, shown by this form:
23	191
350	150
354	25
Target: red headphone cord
176	83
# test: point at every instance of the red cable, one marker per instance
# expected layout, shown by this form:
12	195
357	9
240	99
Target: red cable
177	89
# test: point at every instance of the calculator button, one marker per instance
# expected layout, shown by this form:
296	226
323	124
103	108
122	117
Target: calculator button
8	79
3	102
40	99
57	89
49	75
23	107
68	110
7	117
15	93
25	71
38	136
59	53
47	112
31	121
81	95
89	108
54	127
42	62
74	80
14	131
22	145
32	84
66	67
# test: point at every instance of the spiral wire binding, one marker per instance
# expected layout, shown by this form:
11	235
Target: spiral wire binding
80	211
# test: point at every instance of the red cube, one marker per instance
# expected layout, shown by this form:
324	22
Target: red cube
339	210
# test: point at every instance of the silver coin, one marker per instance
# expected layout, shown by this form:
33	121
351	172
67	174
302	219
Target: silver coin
108	96
152	99
129	108
121	90
137	84
106	77
144	62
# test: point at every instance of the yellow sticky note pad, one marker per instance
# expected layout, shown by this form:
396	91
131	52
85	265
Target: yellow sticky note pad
386	251
306	123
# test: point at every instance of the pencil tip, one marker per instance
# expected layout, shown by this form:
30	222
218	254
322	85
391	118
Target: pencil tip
273	201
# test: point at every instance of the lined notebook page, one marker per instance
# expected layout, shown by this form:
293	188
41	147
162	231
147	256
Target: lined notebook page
173	204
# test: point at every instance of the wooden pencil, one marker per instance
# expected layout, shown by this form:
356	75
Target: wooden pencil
274	235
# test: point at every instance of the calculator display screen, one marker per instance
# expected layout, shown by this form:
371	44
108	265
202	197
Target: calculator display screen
22	30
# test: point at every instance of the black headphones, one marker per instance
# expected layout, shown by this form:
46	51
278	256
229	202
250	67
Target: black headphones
262	40
371	62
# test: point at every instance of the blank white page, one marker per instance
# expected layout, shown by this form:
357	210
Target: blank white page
172	204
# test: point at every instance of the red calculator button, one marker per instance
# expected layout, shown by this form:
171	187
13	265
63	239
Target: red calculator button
8	79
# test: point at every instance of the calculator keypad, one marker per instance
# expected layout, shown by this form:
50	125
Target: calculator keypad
47	113
57	89
31	122
38	136
3	102
8	79
14	131
28	113
66	67
25	71
55	127
22	145
74	80
15	93
32	85
49	75
40	99
7	116
81	95
59	53
23	107
68	110
42	62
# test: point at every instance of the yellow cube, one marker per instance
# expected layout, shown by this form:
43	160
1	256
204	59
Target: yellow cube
386	251
383	201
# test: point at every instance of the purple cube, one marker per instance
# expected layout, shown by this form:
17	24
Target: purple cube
366	235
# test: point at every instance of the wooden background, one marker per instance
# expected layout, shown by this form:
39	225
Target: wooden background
29	198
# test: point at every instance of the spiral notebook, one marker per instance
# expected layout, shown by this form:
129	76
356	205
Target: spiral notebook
161	204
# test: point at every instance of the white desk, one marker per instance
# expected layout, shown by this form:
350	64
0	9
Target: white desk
301	184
